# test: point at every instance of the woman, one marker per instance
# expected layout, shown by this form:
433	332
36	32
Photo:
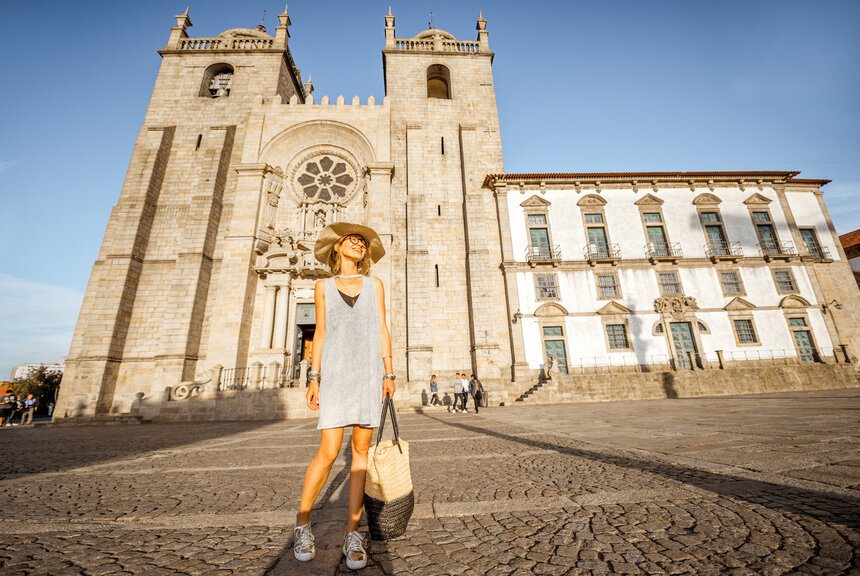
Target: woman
350	374
434	390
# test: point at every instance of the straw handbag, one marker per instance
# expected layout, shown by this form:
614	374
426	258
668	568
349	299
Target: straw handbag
388	496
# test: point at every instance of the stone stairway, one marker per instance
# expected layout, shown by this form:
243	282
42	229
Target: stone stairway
542	386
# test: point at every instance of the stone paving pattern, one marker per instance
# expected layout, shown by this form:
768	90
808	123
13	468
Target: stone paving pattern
733	485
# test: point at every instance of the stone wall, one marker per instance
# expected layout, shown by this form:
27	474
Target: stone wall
689	384
289	403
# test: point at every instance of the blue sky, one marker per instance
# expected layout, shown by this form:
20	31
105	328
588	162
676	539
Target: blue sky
581	86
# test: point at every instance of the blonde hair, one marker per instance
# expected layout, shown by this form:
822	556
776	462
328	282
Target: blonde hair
334	260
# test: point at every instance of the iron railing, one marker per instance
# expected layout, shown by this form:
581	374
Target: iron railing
601	251
630	363
777	249
728	250
663	251
819	252
543	252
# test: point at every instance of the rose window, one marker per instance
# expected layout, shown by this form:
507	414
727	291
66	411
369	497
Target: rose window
325	178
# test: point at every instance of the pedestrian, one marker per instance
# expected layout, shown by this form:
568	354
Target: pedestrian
13	409
476	389
457	391
6	407
29	409
351	371
434	399
464	395
50	408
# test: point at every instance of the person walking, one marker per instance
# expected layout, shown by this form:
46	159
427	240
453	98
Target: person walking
6	407
29	409
351	372
457	391
476	390
464	395
13	409
434	391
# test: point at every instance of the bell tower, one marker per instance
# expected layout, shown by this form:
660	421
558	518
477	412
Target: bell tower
444	141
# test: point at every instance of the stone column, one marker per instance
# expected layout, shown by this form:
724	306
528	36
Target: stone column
268	317
280	336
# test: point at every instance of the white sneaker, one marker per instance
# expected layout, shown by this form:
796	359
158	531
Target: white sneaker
353	550
303	543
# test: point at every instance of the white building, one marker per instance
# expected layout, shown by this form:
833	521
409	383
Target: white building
24	370
690	270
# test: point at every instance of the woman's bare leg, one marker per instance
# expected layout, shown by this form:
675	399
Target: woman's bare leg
318	471
361	439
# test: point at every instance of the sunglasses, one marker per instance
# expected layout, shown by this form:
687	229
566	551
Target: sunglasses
356	240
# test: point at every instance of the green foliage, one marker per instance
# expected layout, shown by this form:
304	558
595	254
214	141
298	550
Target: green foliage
41	383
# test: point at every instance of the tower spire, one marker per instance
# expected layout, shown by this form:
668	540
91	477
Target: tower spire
389	29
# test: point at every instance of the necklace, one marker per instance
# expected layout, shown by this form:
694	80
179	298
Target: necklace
342	276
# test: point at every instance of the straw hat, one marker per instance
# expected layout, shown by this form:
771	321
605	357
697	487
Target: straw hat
334	232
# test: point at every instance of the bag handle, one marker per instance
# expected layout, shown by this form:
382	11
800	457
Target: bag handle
388	406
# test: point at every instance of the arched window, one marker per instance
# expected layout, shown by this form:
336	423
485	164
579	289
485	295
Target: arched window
217	81
438	82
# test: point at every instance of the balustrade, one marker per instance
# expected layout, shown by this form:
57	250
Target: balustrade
724	251
226	43
771	250
595	252
655	251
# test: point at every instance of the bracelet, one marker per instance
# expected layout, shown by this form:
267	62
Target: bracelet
314	379
384	357
313	373
389	377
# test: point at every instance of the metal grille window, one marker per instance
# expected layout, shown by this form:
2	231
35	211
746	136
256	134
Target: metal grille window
652	217
537	219
710	217
731	283
784	281
745	332
547	286
552	331
761	217
797	322
594	218
669	283
608	285
617	336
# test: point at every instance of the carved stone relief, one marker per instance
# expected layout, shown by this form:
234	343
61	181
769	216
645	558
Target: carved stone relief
676	306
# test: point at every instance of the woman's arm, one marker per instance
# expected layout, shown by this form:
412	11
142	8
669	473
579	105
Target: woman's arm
313	394
387	385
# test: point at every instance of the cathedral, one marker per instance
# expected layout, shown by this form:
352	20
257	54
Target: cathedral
566	285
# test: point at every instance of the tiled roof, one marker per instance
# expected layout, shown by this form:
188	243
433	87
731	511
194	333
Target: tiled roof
850	239
788	177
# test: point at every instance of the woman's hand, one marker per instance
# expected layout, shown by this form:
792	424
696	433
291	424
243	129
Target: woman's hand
313	395
387	387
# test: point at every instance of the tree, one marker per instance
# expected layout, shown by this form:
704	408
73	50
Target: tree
42	383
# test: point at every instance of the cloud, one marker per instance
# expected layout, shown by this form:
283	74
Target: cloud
7	165
36	322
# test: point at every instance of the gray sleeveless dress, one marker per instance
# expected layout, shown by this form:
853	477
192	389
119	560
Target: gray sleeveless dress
351	370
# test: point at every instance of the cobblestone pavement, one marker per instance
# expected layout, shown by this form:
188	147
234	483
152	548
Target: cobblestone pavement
735	485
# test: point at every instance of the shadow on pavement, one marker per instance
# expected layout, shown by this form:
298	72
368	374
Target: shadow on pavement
822	506
54	448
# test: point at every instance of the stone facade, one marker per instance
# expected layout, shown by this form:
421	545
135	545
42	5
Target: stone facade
201	299
630	272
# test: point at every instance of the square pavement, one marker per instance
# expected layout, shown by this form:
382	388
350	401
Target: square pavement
765	484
